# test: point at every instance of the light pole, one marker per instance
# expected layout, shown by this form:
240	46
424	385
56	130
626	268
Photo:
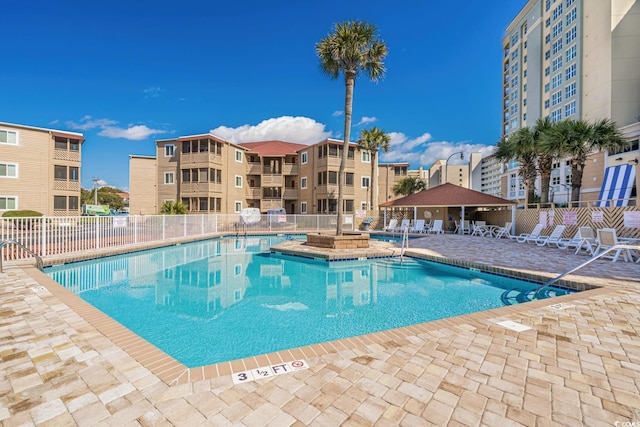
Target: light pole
446	164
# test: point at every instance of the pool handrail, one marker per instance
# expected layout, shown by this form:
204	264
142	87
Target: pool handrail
4	243
587	262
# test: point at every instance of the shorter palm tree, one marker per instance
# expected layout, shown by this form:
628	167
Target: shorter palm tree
521	146
171	207
577	139
408	185
374	140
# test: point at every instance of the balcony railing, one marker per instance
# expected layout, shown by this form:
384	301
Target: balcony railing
66	185
73	156
200	187
272	180
290	169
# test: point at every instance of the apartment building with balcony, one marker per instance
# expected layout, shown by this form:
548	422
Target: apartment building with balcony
572	59
40	170
211	175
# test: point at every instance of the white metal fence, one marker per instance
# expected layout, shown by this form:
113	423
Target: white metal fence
47	236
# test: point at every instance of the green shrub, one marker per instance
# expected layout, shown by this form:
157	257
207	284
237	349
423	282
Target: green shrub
21	214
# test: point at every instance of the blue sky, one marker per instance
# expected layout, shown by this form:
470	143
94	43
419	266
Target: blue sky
125	73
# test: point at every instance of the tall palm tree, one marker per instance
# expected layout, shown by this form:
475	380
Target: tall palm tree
545	158
577	139
408	185
374	140
353	48
520	146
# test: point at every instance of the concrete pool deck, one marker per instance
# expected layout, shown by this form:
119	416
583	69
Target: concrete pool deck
578	364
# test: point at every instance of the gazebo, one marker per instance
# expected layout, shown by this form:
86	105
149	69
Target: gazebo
449	203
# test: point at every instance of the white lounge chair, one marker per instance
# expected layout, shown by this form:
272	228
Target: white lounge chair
607	238
437	227
503	231
583	239
553	238
406	223
530	237
479	228
418	227
393	224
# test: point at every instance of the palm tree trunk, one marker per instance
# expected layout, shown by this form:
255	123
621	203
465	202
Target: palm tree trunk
372	181
348	107
577	170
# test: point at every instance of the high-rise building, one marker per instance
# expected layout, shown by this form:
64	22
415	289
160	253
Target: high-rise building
572	59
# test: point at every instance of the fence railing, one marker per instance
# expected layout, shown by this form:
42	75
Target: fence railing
46	236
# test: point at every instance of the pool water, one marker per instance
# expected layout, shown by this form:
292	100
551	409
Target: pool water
224	299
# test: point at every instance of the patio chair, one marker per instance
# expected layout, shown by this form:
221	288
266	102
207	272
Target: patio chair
437	227
393	224
418	227
553	238
503	231
583	239
457	229
607	238
530	237
466	229
479	228
406	223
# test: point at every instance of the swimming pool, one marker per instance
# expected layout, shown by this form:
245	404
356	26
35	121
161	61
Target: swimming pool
225	299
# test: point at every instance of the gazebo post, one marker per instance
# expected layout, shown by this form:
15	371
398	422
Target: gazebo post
513	220
462	221
415	215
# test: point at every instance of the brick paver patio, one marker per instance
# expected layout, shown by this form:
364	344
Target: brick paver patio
579	364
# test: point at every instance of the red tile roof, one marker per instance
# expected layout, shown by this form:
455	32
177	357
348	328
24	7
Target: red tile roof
272	148
448	195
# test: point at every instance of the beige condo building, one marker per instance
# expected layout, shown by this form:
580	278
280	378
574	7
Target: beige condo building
40	170
211	175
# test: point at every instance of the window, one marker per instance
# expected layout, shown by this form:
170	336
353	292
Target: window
557	29
74	145
514	55
74	174
203	204
237	206
59	202
60	172
571	16
547	54
514	68
570	90
546	87
8	202
333	177
571	53
304	157
365	156
556	115
303	182
73	203
60	143
514	38
169	150
555	180
547	22
238	156
348	205
238	181
547	71
8	170
571	35
547	5
570	2
556	98
570	109
556	46
169	179
364	206
557	12
366	182
556	81
348	179
546	103
556	64
570	72
8	137
303	207
547	38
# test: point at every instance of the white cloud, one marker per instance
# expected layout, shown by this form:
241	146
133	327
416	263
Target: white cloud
134	133
107	128
301	130
337	113
366	120
421	151
152	92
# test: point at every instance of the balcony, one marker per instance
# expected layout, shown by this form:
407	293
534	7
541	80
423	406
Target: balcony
272	180
332	190
270	203
254	168
200	187
72	156
290	194
290	169
65	185
253	193
201	159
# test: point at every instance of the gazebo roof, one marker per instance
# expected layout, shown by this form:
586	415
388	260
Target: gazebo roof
448	195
